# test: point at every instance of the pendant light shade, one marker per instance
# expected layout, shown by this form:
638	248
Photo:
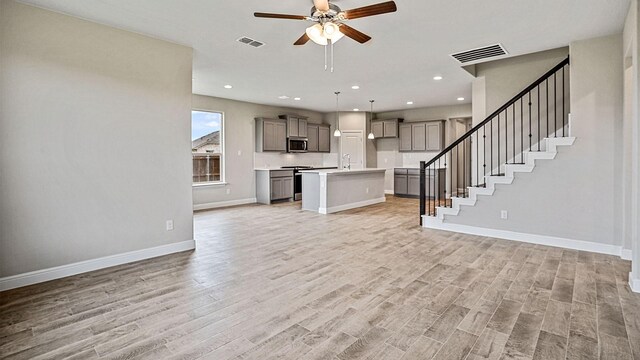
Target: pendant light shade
316	34
371	136
337	132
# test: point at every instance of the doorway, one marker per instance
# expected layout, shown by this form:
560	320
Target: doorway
352	149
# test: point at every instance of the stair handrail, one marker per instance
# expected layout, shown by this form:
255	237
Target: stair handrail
521	94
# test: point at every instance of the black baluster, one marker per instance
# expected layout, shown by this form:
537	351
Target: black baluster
538	117
514	132
546	84
477	158
521	130
555	108
530	135
464	168
498	149
506	140
422	195
563	96
491	158
484	154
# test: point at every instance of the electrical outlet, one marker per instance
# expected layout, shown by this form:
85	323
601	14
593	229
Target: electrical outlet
228	191
367	190
169	225
239	152
504	214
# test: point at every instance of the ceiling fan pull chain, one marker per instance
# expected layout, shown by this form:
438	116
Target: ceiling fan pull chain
331	42
325	58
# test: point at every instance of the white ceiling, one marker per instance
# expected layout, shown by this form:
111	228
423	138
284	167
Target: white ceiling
408	48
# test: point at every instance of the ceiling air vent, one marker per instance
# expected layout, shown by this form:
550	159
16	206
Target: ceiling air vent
480	54
251	42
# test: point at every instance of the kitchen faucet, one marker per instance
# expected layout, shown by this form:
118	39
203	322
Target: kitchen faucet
348	166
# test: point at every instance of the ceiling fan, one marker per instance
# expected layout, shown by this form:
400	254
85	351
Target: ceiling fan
330	21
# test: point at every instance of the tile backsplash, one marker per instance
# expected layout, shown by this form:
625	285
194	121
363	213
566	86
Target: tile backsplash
271	160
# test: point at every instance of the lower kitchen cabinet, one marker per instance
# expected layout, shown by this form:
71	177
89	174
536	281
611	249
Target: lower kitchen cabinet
406	183
273	185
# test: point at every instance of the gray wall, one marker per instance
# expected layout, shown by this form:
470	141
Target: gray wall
573	195
498	81
239	143
94	140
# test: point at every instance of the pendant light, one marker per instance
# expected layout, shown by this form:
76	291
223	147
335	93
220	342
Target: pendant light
337	133
371	136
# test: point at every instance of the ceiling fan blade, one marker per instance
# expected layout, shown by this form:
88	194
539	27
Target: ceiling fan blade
279	16
302	40
377	9
321	5
354	34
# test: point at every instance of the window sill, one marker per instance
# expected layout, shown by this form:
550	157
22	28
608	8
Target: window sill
210	184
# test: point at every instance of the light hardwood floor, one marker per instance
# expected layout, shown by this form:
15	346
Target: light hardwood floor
271	282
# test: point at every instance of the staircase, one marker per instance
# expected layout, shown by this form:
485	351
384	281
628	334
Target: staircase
528	128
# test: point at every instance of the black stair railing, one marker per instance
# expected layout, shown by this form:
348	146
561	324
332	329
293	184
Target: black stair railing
541	110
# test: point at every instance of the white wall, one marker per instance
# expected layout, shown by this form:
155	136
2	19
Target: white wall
572	196
388	155
94	140
239	148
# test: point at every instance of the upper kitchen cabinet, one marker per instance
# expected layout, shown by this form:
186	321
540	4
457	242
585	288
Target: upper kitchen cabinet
296	125
324	138
271	135
422	136
319	139
385	128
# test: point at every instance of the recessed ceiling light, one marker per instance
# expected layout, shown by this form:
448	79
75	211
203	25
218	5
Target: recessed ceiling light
356	109
355	87
283	97
438	77
460	99
228	86
409	102
297	99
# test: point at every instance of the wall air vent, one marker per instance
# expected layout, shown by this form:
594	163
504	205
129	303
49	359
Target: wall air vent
251	42
478	55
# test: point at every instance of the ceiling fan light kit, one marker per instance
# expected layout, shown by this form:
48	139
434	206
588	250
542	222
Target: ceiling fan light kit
329	24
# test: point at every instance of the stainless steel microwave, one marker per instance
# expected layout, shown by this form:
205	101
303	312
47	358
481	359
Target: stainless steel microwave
296	145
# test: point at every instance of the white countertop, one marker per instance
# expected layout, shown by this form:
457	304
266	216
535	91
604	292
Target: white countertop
343	172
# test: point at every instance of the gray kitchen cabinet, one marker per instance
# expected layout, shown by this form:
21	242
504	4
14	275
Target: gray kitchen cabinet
400	186
318	139
421	136
296	125
271	135
377	128
418	137
406	183
434	136
324	138
413	185
272	185
405	137
312	136
385	128
391	128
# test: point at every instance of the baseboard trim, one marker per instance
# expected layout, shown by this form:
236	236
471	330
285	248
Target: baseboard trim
220	204
351	205
634	283
388	192
626	254
531	238
58	272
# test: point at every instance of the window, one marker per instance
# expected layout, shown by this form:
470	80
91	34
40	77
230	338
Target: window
206	146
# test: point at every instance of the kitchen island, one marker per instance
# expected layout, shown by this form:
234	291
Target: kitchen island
329	191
